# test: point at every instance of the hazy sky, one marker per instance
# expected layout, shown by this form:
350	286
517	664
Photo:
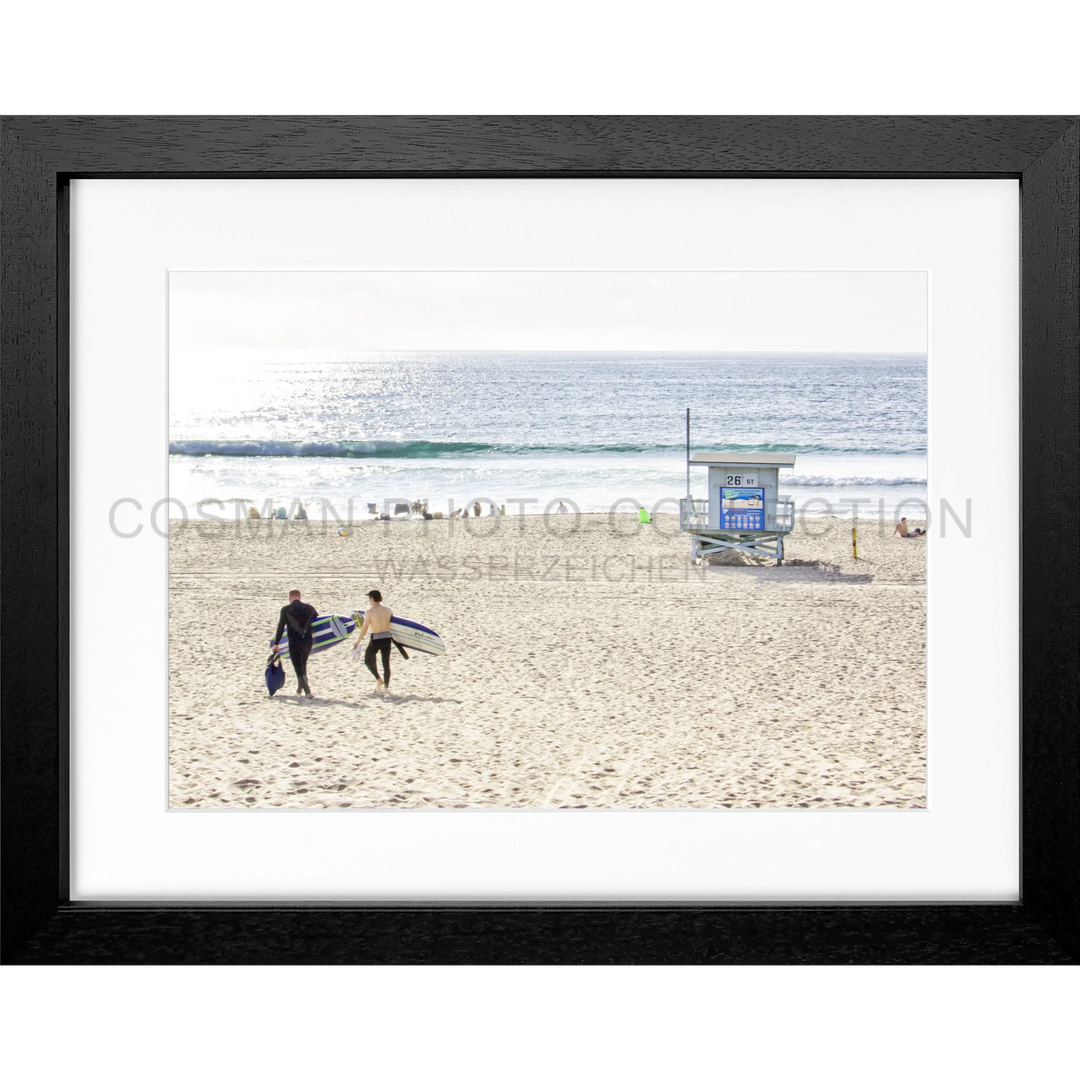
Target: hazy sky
593	310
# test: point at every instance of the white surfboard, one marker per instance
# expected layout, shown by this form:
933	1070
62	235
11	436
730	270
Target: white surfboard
414	635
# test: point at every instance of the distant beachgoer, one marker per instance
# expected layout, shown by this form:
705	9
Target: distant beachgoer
301	514
427	516
253	512
297	617
372	508
476	509
377	620
562	509
502	510
282	514
905	532
493	512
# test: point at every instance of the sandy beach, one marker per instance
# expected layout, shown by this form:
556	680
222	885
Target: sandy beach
588	664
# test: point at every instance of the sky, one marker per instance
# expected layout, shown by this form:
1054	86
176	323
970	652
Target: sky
809	311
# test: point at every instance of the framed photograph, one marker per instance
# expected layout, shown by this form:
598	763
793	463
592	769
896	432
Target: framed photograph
589	603
540	540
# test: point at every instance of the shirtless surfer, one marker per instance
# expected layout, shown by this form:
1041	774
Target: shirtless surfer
377	620
904	531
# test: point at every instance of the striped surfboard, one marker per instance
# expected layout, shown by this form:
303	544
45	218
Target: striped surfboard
330	630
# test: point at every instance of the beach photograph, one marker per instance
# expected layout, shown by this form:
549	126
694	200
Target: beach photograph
633	540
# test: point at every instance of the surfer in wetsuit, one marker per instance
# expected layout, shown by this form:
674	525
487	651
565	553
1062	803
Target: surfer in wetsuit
297	617
377	620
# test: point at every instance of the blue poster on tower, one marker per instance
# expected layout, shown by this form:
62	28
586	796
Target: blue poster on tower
742	509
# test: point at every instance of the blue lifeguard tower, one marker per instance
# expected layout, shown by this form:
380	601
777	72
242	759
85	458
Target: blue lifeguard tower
744	510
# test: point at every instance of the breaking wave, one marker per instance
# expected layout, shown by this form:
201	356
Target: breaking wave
389	448
850	481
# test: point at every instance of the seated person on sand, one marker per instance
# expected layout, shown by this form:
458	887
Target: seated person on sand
905	532
253	512
301	514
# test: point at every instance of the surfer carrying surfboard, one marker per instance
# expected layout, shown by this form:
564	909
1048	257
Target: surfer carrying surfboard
297	617
377	621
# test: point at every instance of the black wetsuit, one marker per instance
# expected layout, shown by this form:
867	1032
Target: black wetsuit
379	643
297	617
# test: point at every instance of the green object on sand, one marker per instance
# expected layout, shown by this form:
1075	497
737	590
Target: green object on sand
643	516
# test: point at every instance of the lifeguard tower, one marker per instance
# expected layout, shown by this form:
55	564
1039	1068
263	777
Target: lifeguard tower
744	510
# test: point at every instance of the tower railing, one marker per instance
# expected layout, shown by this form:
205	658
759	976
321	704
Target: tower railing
784	518
693	513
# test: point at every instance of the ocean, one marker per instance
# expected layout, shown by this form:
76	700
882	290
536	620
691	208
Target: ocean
527	430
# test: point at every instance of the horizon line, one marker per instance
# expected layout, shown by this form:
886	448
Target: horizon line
597	352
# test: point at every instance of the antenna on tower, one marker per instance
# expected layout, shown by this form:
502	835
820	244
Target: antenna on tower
688	453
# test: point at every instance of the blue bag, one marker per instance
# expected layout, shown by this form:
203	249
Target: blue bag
275	674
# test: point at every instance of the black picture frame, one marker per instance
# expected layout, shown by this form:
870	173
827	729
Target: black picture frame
41	155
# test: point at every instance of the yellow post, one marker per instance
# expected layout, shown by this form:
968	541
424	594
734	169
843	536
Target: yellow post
854	544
